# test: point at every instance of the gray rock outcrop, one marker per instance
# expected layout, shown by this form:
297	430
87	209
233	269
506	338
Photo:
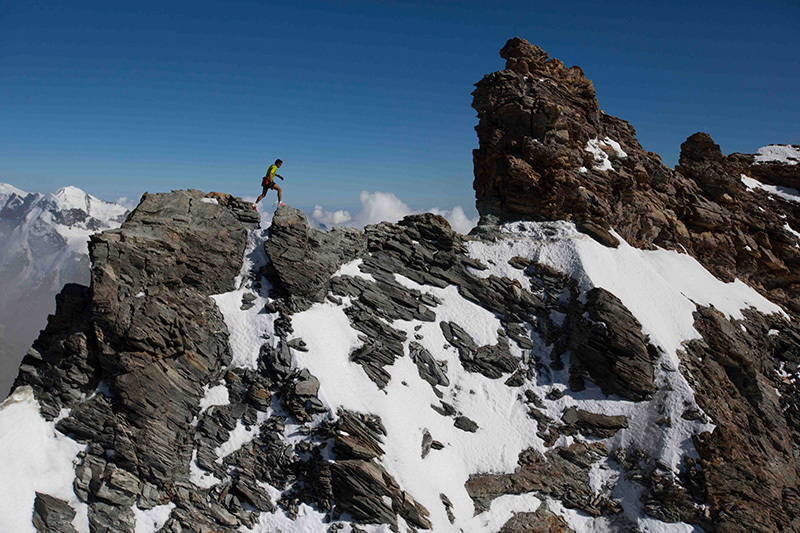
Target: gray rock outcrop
607	344
140	346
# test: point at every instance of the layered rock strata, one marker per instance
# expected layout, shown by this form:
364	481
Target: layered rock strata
133	357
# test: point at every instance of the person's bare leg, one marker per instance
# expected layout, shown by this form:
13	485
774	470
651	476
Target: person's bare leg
264	192
279	193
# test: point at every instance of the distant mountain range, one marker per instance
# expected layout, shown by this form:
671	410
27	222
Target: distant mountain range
42	246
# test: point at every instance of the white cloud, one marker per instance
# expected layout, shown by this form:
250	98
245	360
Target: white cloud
330	218
380	207
387	207
458	220
129	204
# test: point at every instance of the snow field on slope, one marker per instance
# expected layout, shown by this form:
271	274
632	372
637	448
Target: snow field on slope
582	523
248	331
787	193
36	458
661	289
405	404
496	408
404	407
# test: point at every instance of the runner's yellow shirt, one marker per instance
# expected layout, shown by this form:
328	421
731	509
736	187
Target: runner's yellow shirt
271	172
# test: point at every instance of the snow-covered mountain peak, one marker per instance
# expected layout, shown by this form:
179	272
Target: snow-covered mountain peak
7	189
10	198
71	198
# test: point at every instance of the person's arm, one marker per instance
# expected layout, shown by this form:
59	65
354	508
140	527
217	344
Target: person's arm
279	176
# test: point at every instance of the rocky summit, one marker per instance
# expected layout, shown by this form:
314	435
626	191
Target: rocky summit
613	348
547	151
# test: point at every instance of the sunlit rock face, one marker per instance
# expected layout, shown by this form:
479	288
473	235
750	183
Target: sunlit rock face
548	152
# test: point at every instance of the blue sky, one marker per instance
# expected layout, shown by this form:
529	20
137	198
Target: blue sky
353	96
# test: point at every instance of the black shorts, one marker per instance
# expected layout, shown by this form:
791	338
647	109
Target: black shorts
268	186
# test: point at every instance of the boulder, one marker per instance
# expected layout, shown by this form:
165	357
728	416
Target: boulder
607	345
51	515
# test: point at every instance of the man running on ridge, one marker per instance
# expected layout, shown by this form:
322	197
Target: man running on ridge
269	182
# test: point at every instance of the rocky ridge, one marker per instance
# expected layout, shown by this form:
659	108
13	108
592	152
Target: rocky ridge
188	368
149	339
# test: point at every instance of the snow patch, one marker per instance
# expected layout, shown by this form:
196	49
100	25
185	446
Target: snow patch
151	520
788	228
352	269
775	153
601	160
199	476
36	458
787	193
212	396
240	436
308	520
501	510
250	329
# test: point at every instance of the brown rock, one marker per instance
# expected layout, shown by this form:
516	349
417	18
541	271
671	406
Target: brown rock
563	474
541	521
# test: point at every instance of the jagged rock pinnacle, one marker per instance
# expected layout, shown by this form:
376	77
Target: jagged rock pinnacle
547	152
523	57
